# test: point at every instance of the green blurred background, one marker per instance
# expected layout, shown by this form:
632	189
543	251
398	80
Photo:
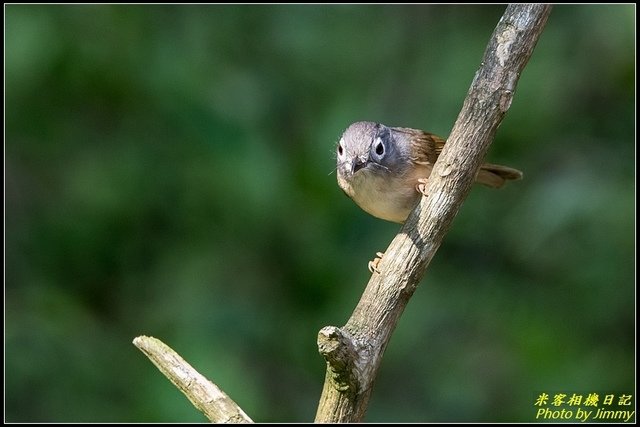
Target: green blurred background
169	172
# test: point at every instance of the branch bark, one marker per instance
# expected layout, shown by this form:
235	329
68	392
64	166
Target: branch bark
205	395
354	352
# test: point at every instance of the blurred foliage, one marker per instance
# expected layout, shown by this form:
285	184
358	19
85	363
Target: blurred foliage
169	172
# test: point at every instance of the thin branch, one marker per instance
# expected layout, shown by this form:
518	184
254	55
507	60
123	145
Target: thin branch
403	266
205	395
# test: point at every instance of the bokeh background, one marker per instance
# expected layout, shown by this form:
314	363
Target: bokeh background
169	171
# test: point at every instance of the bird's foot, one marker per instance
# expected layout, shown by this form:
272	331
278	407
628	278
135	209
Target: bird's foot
373	265
421	186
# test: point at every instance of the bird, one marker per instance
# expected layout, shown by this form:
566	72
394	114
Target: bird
384	169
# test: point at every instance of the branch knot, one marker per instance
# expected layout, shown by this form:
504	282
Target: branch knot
339	350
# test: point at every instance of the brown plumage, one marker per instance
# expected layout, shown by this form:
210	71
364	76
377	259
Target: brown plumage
427	148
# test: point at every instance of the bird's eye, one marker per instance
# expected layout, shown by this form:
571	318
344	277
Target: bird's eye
379	148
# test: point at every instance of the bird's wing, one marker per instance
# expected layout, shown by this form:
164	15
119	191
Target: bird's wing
426	146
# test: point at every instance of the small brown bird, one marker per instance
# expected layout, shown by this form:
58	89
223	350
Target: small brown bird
381	168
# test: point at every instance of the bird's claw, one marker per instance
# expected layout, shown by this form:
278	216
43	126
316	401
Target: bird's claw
421	186
373	265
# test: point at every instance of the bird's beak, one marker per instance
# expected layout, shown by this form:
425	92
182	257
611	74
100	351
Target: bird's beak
358	164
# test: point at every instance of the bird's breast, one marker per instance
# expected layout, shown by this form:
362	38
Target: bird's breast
387	196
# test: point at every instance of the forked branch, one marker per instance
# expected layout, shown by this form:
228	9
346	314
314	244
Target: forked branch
353	352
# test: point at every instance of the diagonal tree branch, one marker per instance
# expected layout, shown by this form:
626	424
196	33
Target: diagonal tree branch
354	352
205	395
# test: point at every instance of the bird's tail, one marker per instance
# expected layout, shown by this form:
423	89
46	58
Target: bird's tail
496	175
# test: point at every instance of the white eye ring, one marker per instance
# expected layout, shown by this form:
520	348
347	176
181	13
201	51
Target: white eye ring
340	148
379	147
